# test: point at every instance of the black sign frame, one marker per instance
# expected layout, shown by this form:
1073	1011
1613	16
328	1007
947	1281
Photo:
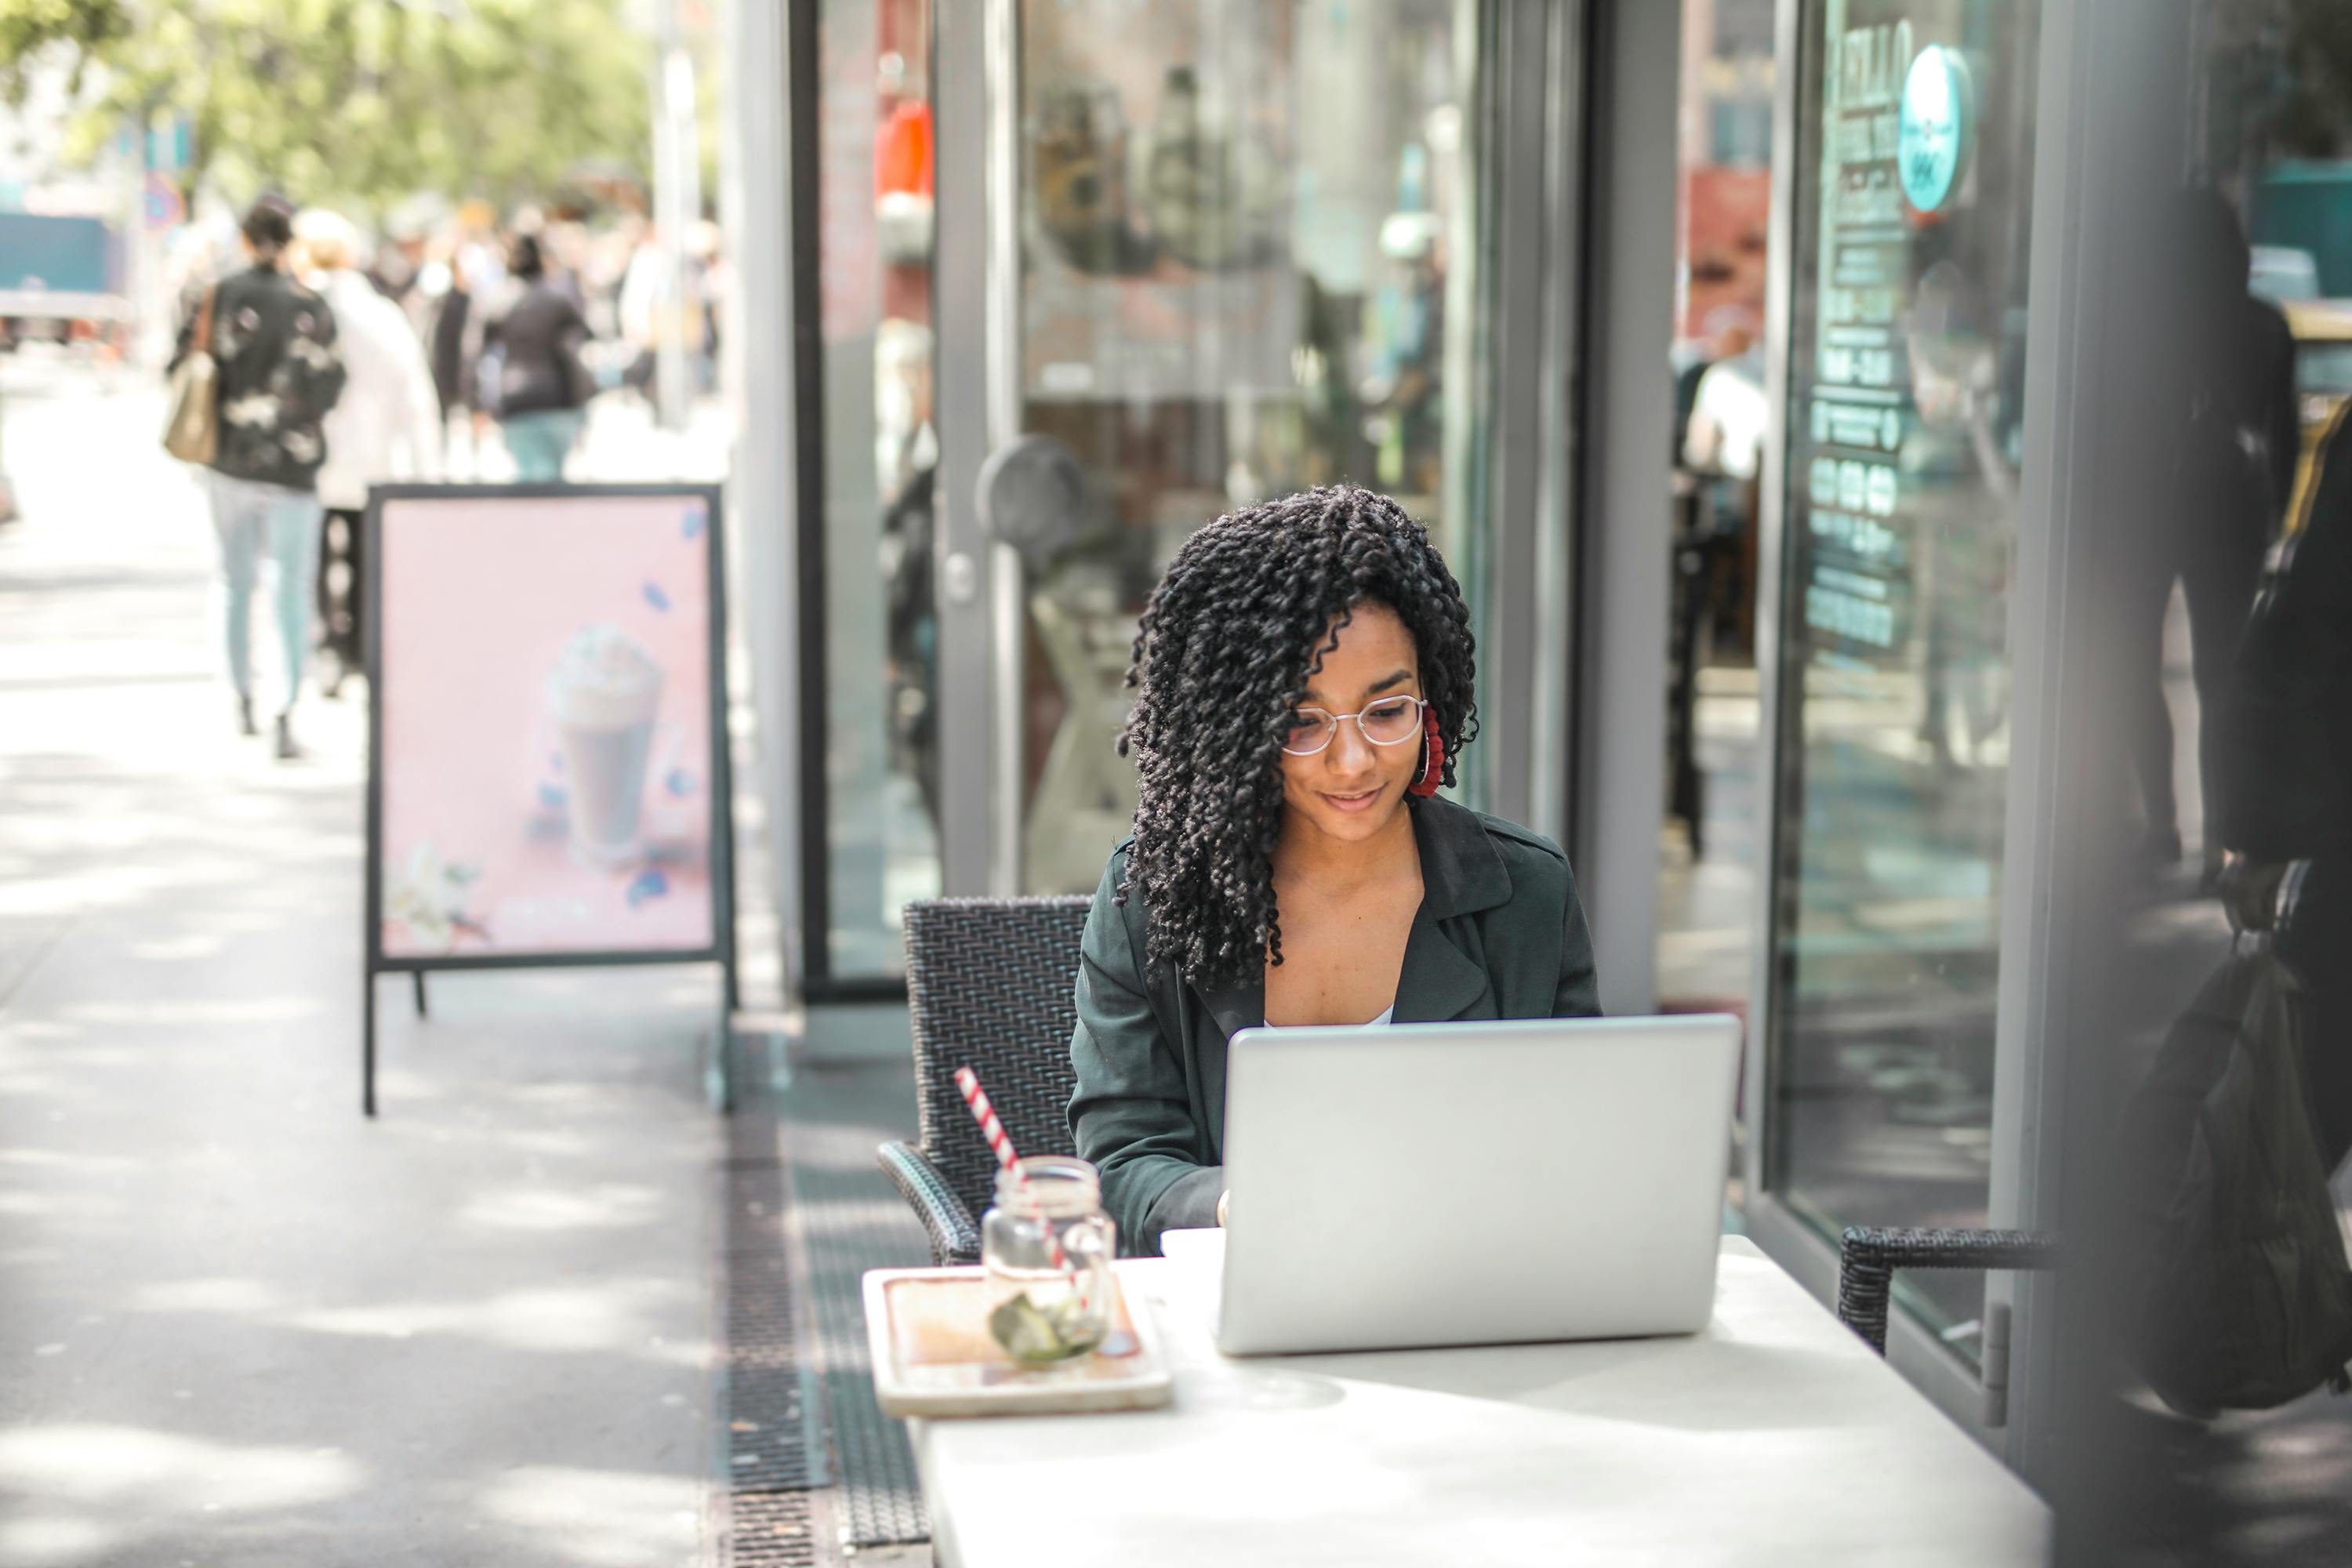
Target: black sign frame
722	951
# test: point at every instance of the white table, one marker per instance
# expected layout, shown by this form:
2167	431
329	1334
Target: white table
1775	1437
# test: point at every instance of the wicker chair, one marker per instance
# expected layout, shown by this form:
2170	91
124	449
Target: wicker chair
1867	1259
991	984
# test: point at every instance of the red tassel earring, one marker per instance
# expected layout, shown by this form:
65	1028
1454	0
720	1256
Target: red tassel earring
1433	756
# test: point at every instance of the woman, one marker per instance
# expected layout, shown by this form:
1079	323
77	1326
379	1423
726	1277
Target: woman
1305	684
385	427
532	374
279	373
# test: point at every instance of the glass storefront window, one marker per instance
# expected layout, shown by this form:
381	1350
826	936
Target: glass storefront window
1904	418
1248	268
1708	861
879	737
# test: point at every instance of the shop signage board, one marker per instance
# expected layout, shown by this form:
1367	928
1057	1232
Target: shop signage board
1858	591
1933	126
548	778
1901	329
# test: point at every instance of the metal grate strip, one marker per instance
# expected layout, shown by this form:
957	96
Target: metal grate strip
850	1220
770	1529
773	1448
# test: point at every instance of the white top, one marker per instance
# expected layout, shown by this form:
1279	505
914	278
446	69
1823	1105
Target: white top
387	423
1387	1015
1773	1437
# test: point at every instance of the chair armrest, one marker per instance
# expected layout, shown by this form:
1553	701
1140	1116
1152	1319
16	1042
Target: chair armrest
955	1236
1868	1258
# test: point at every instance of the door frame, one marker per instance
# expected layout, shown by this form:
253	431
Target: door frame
2104	144
2012	1418
1622	420
811	921
977	367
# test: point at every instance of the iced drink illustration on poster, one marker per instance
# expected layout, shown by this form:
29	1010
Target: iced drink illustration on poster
603	697
545	776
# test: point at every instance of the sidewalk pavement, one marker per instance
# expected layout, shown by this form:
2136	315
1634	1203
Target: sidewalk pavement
239	1325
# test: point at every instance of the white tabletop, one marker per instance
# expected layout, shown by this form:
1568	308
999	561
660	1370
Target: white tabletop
1774	1437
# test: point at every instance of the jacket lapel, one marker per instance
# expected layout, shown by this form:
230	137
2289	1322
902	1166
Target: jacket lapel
1230	1008
1439	981
1461	874
1240	1007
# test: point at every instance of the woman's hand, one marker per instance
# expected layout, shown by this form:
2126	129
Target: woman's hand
1222	1199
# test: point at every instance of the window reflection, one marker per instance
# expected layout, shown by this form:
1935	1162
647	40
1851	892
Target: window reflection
874	187
1246	270
1707	903
1907	353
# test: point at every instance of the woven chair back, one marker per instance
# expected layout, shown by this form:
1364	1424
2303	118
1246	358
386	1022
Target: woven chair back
991	985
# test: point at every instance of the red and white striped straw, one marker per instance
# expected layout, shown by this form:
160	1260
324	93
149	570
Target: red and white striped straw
1001	1146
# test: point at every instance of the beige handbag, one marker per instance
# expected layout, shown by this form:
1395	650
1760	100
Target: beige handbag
191	434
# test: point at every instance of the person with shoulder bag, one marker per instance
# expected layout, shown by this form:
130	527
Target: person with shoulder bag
259	353
2288	772
2243	1292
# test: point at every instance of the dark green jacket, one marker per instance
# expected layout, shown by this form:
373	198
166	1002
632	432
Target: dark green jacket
1499	934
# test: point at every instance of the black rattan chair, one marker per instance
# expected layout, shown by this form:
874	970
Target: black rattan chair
1867	1259
991	986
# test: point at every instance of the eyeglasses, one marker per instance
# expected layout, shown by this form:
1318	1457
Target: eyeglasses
1391	722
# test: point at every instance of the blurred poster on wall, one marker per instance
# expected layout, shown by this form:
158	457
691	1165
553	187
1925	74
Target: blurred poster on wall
1157	218
545	782
1727	217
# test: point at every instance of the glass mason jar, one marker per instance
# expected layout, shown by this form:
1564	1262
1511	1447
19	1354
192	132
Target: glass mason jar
1039	1311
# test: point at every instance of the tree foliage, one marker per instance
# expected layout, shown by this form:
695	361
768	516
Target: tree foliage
361	101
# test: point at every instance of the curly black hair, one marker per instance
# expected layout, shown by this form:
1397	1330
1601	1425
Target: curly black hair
1226	646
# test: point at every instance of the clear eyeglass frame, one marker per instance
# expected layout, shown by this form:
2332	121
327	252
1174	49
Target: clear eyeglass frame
1331	722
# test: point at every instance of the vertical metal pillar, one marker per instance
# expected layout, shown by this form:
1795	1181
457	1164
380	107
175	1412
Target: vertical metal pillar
677	206
1620	748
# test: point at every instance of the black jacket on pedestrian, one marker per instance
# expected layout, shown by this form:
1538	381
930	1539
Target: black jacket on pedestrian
1499	934
452	366
274	341
538	339
2289	780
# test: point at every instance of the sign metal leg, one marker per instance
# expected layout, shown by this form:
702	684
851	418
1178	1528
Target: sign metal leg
367	1045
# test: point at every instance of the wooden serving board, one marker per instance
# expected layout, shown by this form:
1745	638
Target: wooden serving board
933	1355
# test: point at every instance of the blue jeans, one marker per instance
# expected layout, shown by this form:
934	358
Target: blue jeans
539	441
250	517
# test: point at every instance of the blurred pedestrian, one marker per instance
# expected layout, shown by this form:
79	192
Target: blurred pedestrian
386	425
2287	807
2230	444
532	375
279	374
447	315
642	306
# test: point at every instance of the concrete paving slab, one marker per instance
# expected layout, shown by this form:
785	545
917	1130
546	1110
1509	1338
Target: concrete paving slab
239	1325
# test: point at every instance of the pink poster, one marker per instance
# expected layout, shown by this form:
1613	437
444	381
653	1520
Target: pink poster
544	702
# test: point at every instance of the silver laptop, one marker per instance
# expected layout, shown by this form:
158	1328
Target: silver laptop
1474	1183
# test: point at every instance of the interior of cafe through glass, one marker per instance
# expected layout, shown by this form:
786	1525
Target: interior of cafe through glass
1247	264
